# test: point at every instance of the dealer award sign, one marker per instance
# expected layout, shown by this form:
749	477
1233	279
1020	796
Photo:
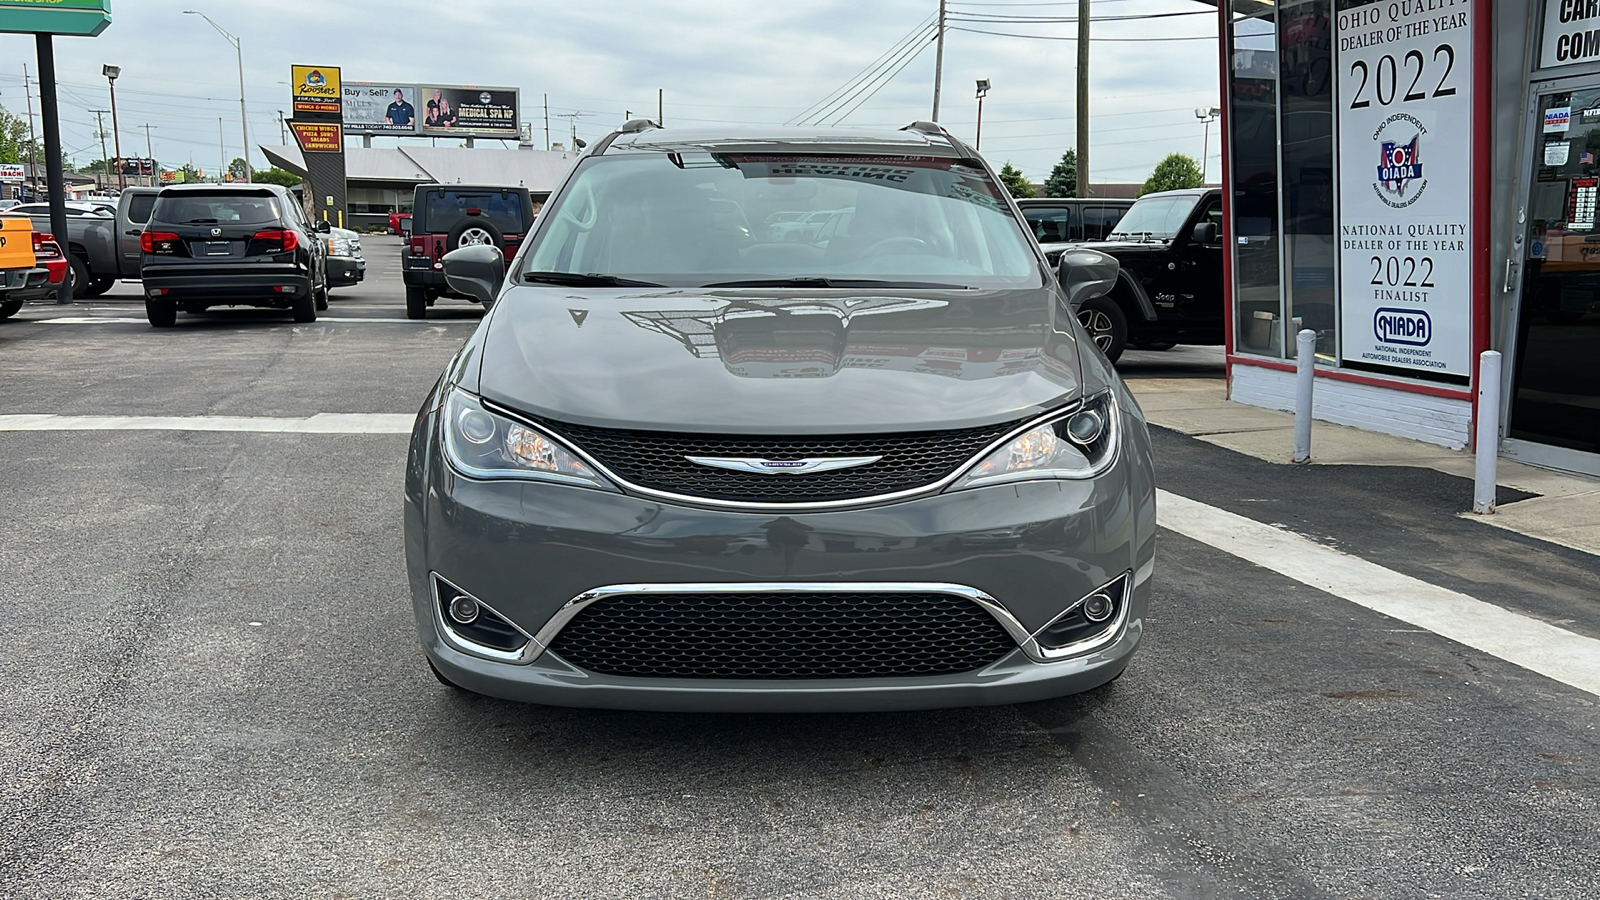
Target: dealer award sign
1404	104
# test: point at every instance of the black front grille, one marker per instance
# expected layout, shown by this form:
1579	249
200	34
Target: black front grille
657	459
783	636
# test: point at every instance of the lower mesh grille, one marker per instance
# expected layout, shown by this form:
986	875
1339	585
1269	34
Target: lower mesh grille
777	635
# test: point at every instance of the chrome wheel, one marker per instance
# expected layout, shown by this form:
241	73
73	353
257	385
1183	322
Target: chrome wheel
1100	328
475	237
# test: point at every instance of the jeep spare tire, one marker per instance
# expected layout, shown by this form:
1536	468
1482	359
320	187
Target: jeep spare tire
475	231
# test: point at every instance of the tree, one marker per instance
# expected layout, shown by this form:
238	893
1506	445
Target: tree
13	138
1063	180
236	169
1176	172
188	174
278	176
98	167
1018	186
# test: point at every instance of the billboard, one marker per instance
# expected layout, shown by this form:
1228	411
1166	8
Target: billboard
316	91
467	111
380	108
11	172
85	18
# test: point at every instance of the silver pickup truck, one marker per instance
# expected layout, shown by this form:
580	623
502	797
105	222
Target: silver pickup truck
101	246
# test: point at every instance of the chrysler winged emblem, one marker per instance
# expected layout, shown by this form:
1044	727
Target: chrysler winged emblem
783	466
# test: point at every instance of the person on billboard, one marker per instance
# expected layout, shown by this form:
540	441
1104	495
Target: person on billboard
400	112
444	116
433	108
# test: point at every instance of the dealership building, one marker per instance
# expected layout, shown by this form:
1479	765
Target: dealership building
1415	181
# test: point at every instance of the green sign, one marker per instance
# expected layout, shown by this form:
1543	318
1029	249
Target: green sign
85	18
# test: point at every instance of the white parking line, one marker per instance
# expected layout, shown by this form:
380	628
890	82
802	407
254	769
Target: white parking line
1569	658
321	423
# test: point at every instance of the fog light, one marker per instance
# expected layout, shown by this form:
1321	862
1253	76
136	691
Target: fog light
1098	608
464	610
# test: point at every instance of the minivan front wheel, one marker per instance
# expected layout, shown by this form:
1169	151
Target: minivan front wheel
1106	324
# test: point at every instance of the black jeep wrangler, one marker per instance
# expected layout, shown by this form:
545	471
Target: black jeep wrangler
447	216
1170	289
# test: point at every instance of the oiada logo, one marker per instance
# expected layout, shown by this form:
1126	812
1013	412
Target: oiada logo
1399	183
1411	327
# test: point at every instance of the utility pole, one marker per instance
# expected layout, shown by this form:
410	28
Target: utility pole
33	139
149	149
938	61
100	128
283	129
547	121
1083	98
661	115
221	152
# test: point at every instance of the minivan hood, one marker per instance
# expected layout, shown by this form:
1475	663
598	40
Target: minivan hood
766	362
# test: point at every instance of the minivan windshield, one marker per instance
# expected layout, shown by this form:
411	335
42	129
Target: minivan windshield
702	219
216	209
1156	217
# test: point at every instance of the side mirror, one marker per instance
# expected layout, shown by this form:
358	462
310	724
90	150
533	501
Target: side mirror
1205	233
477	271
323	227
1086	274
405	229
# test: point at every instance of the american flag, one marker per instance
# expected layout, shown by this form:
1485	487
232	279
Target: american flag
1586	159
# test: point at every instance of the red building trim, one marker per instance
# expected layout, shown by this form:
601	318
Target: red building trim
1225	142
1393	384
1482	176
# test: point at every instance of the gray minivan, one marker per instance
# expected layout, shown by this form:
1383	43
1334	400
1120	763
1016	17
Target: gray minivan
684	466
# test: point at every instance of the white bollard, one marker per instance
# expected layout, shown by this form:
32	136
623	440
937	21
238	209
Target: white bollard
1305	376
1488	434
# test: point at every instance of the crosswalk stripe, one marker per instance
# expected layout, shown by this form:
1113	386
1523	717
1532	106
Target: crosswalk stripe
1567	657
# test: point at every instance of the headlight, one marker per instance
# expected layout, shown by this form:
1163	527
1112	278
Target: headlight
337	247
481	444
1081	444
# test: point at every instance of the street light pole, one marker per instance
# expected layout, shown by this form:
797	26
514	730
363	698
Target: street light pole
244	122
1206	115
111	73
983	91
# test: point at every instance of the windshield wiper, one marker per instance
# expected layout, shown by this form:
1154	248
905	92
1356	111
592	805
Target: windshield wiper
586	279
818	281
201	222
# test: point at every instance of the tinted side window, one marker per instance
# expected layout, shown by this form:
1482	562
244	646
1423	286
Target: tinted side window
1052	223
1099	221
139	208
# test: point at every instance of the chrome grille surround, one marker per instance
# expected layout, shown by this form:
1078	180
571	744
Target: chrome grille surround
1004	434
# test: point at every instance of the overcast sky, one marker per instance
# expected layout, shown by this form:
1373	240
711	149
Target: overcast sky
719	61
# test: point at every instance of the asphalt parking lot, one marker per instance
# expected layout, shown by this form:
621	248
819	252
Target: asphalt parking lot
214	687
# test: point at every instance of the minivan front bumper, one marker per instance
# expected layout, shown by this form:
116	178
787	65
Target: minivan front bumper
1025	551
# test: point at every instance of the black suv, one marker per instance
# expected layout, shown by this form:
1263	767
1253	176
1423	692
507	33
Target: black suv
1055	220
231	245
447	216
1170	288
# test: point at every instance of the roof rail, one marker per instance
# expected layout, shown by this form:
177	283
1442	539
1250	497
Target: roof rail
634	126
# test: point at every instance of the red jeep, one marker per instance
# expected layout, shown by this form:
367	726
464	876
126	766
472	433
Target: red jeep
447	216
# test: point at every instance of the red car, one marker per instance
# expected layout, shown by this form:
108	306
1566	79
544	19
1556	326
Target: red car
50	269
394	222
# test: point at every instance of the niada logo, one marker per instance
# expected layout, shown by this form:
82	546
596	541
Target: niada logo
1411	327
1399	183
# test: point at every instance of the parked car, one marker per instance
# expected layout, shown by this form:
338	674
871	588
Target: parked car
395	220
17	262
102	243
1057	220
50	270
949	498
447	216
346	265
232	245
1170	290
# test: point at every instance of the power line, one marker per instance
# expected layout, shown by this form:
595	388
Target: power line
1046	37
916	34
882	77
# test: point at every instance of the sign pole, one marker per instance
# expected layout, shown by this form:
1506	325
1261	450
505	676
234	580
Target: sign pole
55	179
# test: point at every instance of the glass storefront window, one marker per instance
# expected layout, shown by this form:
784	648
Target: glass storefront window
1253	139
1305	97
